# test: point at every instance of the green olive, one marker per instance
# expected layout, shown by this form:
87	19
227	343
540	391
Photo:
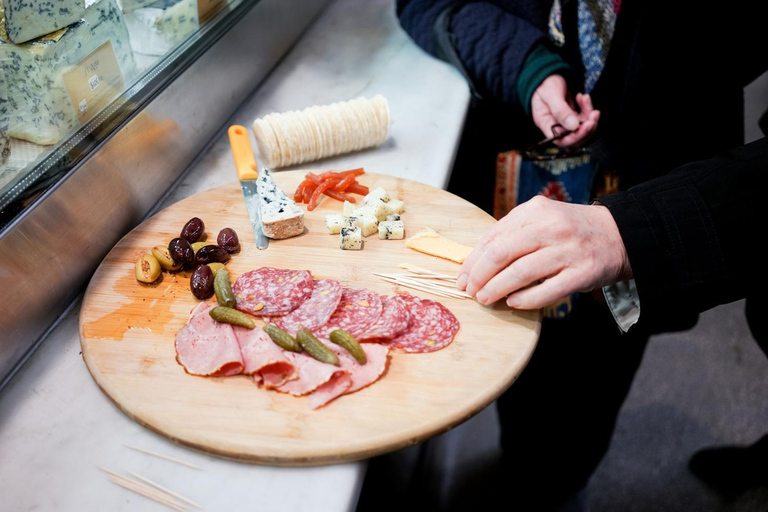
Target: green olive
198	245
216	266
147	269
163	256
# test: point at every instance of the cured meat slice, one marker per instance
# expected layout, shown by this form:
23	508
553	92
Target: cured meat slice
263	358
392	321
312	374
207	347
316	310
271	291
364	375
357	310
432	326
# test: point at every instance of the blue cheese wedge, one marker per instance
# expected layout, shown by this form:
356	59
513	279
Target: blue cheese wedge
351	239
391	230
5	139
25	20
39	104
280	216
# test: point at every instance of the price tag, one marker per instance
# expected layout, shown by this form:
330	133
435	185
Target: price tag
94	82
207	9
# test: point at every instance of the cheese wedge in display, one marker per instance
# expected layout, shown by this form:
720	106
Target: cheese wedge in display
431	242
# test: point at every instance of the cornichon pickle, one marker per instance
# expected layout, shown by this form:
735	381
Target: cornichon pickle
315	348
231	316
282	338
349	343
147	269
222	287
163	256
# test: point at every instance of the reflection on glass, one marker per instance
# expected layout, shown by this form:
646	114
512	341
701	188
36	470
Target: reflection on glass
59	67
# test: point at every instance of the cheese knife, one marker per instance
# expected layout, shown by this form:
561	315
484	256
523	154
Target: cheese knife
245	163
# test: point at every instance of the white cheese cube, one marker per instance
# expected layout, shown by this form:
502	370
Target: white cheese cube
334	222
367	223
380	209
377	193
351	239
347	209
394	216
397	206
391	230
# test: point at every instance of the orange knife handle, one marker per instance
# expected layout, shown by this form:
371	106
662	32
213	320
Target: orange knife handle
245	162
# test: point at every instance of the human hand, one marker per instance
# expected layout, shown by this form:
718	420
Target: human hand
544	250
552	105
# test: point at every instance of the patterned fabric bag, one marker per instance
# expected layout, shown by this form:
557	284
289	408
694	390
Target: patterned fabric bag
563	176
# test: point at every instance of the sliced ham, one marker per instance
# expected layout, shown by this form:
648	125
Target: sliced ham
316	310
262	358
364	375
207	347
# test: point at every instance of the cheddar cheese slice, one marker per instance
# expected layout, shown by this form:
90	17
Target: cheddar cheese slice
431	242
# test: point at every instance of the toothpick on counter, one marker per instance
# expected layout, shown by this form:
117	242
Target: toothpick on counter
144	490
177	461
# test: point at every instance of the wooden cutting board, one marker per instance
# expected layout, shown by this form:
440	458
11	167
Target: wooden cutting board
128	329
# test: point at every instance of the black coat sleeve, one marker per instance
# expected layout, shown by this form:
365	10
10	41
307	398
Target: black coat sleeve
693	236
487	41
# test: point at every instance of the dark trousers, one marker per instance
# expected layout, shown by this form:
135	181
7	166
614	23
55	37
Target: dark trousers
558	417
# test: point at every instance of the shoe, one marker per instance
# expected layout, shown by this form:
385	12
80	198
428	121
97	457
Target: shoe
732	469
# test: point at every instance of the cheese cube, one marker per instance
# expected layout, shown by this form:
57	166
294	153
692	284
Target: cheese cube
367	223
351	239
394	216
397	206
391	230
380	209
347	209
334	222
377	193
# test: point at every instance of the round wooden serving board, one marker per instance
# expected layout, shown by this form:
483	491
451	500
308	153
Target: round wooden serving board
127	333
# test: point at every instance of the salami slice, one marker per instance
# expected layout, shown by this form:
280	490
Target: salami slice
432	326
392	321
357	310
271	291
316	310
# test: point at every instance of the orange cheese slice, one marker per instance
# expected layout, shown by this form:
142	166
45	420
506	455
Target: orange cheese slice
431	242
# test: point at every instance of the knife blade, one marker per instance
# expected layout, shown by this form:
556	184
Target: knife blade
245	164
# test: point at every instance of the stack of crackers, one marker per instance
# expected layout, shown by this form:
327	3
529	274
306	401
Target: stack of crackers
318	132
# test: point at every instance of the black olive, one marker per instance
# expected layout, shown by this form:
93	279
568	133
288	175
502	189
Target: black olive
193	230
181	251
201	282
228	240
211	254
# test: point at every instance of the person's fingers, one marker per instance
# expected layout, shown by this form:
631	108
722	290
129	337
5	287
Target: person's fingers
547	292
562	111
497	255
584	101
522	272
585	131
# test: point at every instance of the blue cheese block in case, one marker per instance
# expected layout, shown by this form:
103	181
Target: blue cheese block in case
5	139
161	25
39	104
28	19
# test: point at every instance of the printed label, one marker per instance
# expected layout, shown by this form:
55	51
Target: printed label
94	82
207	9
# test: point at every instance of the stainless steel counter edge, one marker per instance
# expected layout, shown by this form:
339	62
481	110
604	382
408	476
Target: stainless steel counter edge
54	248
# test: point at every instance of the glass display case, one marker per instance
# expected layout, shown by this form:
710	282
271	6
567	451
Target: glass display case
103	105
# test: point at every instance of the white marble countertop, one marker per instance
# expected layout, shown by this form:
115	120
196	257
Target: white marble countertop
56	426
